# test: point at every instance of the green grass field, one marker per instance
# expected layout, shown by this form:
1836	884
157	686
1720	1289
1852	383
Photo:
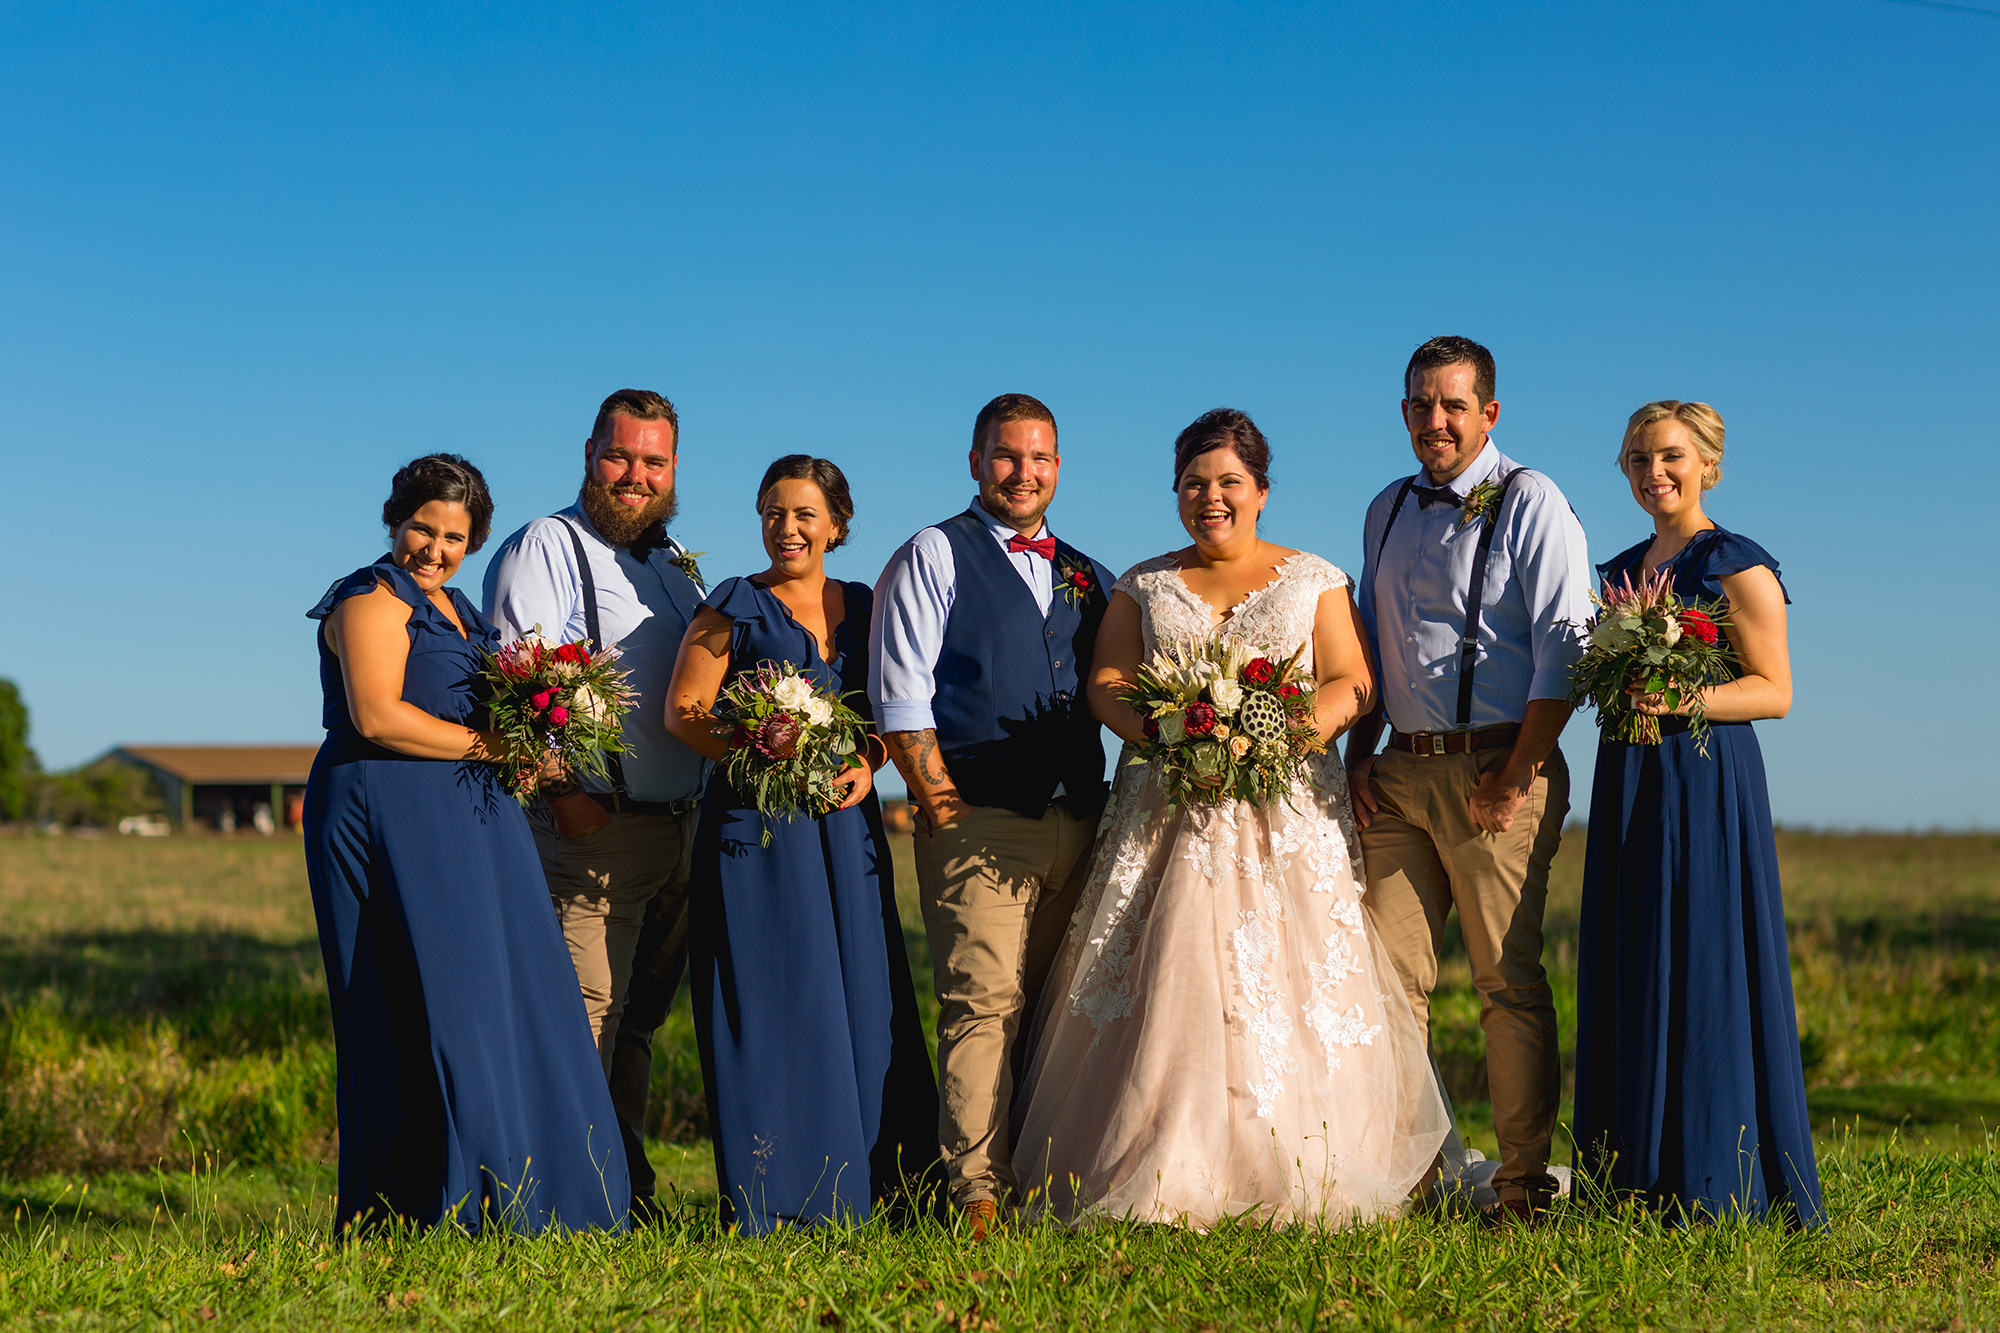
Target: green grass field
166	1141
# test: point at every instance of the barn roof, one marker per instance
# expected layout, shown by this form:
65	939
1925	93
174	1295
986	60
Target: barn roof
225	764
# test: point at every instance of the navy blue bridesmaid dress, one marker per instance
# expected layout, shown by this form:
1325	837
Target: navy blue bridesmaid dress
821	1098
469	1088
1689	1089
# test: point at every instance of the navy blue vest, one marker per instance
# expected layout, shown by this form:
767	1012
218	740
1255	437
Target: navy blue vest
1009	708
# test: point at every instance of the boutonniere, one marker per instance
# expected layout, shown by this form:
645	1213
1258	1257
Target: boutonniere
1075	581
1479	502
685	563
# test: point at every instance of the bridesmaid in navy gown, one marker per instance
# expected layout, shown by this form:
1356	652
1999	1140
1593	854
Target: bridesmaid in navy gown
469	1089
1689	1089
821	1099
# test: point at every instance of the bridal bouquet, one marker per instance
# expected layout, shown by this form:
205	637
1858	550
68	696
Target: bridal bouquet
1225	721
788	740
1647	633
560	700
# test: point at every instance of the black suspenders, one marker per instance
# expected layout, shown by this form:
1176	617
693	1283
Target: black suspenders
613	767
1468	646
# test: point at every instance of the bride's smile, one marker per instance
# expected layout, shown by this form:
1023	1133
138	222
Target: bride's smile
1220	500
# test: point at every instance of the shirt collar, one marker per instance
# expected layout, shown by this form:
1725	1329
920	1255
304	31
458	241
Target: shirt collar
1002	533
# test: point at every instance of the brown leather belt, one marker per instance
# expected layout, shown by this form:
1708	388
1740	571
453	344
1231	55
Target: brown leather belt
1424	744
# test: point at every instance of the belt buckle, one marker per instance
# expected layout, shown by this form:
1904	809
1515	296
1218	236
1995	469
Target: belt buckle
1427	743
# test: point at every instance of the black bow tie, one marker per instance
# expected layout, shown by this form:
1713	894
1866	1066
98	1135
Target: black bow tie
1444	495
654	538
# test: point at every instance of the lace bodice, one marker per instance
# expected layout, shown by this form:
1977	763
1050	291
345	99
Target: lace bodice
1277	617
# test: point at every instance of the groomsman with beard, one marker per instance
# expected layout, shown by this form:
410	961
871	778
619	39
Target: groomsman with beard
617	851
978	653
1465	808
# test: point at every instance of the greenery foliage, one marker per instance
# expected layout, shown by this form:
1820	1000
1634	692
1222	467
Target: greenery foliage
18	765
97	795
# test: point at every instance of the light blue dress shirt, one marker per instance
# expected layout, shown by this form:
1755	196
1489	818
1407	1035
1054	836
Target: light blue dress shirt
912	599
643	608
1413	600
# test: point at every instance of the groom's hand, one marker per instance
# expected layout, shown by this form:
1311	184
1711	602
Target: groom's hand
945	809
1496	800
1359	788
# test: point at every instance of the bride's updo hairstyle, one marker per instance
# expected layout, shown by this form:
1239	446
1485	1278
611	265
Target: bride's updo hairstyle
1704	426
443	477
1224	428
821	472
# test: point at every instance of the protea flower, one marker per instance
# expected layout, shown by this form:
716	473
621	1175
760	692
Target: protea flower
778	737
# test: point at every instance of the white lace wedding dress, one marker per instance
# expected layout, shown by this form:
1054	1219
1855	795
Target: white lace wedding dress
1224	1034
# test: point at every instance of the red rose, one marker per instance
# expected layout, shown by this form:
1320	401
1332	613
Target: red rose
1079	579
559	716
1200	718
570	652
1151	726
542	699
1260	671
1289	691
739	738
1698	624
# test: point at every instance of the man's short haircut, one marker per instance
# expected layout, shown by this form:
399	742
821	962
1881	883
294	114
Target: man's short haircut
640	405
1451	350
1008	407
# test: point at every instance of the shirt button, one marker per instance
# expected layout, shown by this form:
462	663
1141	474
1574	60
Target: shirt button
1058	663
1050	633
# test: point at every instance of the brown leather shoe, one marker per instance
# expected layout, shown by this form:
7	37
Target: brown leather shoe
983	1216
1516	1213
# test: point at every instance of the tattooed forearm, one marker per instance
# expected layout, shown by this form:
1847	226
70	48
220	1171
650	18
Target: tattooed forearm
922	766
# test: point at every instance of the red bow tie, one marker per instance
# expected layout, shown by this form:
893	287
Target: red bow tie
1045	547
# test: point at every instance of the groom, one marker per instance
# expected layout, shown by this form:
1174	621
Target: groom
978	655
1472	567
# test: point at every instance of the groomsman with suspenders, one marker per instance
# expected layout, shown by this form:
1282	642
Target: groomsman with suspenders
980	648
1471	568
617	851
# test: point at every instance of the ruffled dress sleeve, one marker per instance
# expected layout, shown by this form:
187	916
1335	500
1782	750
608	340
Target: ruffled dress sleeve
1731	553
365	580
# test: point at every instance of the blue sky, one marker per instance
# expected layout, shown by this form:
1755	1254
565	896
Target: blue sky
253	257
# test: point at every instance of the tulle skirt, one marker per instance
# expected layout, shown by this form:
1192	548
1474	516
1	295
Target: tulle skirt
1224	1035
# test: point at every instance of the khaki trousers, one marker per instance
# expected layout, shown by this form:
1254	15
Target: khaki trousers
1424	856
998	891
621	896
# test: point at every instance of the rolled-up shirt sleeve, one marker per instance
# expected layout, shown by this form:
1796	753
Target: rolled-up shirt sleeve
906	633
1553	566
530	582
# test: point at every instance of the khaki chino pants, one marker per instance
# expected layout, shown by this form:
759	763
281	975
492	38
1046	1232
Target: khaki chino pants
621	895
998	891
1425	856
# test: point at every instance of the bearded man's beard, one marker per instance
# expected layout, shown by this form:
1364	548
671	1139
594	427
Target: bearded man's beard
618	523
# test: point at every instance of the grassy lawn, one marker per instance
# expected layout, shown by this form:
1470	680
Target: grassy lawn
166	1144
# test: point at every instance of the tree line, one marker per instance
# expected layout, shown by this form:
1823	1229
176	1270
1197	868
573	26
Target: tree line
100	793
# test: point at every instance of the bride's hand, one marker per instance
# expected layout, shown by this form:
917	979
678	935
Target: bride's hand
854	783
1653	703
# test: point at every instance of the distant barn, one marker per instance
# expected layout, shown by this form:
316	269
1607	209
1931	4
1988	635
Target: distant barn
223	786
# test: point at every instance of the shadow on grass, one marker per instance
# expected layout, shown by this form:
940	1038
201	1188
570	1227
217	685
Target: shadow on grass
226	990
1966	1105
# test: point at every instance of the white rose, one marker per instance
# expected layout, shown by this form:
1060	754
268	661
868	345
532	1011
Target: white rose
791	693
1173	729
1672	634
1607	635
818	711
1226	695
585	701
1239	746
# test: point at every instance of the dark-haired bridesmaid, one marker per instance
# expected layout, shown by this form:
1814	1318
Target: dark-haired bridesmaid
821	1100
1690	1093
469	1089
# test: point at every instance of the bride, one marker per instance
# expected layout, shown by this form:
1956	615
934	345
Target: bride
1223	1034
